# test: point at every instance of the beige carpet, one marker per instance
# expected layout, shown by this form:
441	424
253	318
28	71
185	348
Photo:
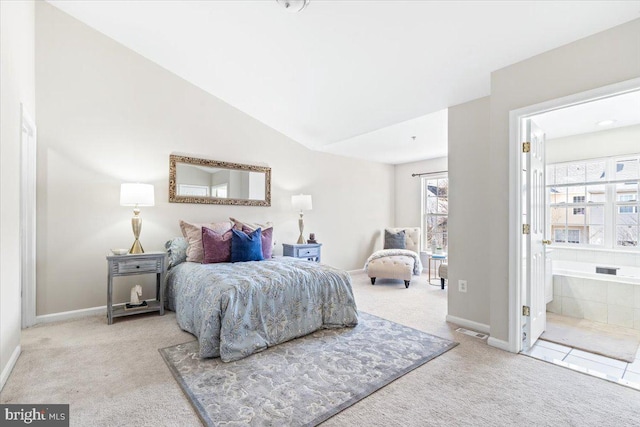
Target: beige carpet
600	338
115	376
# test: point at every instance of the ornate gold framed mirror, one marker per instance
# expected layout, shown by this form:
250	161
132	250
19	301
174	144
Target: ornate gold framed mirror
203	181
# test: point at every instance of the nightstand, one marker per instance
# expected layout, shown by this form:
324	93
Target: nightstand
131	265
309	251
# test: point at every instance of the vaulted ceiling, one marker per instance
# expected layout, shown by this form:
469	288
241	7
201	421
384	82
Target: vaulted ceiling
349	77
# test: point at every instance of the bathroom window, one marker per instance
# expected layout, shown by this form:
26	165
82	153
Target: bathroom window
595	202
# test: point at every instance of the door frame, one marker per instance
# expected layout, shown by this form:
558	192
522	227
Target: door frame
28	152
516	117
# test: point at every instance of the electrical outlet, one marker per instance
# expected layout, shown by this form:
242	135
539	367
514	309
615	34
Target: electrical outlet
462	285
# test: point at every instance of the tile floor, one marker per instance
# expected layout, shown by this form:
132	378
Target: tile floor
623	373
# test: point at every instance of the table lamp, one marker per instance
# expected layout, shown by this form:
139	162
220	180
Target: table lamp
303	203
136	195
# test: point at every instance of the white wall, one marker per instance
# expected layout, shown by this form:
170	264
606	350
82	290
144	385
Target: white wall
408	190
16	86
469	212
106	115
602	59
606	143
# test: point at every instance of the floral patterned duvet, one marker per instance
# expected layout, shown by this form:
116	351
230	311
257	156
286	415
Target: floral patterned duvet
242	308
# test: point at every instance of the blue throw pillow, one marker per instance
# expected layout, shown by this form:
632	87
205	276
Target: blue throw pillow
246	246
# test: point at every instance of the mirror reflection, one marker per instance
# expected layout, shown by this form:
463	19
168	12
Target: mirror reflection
194	180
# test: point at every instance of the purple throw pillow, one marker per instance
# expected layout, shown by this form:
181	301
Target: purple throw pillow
217	246
267	240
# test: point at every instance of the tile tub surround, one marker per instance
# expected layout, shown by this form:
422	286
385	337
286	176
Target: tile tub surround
605	257
580	292
603	301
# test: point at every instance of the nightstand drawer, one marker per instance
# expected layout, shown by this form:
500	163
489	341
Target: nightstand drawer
308	252
136	266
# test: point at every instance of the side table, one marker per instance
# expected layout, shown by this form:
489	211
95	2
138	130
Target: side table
130	265
437	259
308	251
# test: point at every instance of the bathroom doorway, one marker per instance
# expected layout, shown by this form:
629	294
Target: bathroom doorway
591	212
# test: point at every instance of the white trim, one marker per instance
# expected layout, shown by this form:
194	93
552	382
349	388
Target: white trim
73	314
469	324
501	344
28	147
515	243
515	237
10	365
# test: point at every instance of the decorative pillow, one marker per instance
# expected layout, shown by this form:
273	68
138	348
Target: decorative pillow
193	233
267	240
395	240
216	246
246	247
237	224
176	251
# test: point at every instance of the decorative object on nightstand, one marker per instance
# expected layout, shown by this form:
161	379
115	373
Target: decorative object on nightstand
130	265
310	251
312	238
135	303
301	202
136	195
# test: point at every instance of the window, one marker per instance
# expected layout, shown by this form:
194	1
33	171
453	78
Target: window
193	190
435	211
574	236
595	202
578	199
627	209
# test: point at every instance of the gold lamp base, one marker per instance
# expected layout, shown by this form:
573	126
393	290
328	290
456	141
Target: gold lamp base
301	240
136	225
136	248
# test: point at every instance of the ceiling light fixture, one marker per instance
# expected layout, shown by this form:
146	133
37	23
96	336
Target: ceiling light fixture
608	122
293	5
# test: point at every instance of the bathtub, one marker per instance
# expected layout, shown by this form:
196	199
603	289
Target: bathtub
580	292
625	274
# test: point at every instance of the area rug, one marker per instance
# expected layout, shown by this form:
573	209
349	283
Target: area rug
304	381
612	341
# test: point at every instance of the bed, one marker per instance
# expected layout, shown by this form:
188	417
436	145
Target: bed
237	309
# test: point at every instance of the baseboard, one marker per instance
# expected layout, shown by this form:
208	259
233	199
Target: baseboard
502	345
73	314
469	324
10	365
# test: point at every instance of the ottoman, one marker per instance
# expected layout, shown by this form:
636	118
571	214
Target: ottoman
443	272
391	267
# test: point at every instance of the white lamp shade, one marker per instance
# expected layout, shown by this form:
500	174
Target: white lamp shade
301	202
136	195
